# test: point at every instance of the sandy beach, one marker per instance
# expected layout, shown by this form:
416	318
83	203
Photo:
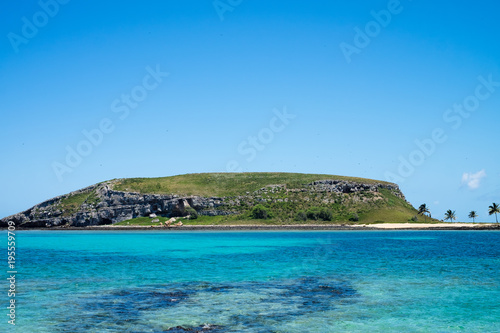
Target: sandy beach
375	226
434	225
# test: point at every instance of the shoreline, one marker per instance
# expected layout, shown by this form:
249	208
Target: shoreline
291	227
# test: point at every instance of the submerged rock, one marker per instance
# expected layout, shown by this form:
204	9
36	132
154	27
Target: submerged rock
202	328
277	298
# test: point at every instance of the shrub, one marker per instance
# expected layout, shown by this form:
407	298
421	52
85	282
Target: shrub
354	218
414	218
192	213
325	214
260	212
313	213
301	216
317	213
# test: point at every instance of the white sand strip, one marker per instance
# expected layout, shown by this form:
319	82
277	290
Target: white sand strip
428	225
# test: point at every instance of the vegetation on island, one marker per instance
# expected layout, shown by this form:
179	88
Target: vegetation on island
225	184
279	198
450	215
423	210
494	209
72	203
473	216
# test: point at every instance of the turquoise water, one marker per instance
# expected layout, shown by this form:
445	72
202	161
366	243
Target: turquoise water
356	281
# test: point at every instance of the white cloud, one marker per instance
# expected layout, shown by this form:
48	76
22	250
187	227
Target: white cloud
473	180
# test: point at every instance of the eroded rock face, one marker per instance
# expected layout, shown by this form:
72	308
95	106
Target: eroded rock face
109	206
113	207
342	186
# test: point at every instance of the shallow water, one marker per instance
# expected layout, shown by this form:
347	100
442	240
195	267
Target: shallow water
356	281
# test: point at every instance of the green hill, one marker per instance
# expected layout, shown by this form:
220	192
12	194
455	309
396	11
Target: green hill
225	198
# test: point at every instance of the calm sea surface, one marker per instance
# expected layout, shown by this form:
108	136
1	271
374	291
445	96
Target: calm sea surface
356	281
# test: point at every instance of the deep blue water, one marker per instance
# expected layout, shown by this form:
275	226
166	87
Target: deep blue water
356	281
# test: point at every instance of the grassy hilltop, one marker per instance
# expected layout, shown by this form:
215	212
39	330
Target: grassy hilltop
225	184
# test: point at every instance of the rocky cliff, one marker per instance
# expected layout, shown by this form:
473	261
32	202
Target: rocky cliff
101	204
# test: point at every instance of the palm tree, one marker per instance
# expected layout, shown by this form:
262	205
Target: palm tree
423	210
450	215
494	209
473	215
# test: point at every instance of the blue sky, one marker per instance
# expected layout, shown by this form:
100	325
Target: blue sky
407	91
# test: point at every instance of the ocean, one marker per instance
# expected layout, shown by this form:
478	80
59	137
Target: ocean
266	281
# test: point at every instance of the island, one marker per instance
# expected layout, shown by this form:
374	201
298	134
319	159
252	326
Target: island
232	200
